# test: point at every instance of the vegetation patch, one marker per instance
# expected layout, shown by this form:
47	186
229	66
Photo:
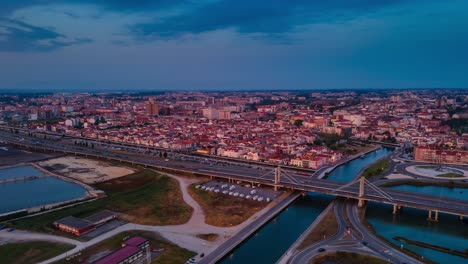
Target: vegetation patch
450	184
223	210
451	175
433	247
208	237
326	228
31	252
144	197
341	257
377	168
170	253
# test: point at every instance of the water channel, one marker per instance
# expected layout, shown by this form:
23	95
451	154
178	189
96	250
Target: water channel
273	239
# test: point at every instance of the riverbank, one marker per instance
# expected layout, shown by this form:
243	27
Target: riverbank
434	247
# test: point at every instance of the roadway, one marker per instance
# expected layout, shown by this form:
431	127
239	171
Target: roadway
360	240
255	174
244	233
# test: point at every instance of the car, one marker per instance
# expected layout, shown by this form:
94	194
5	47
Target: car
231	193
11	229
268	199
2	227
236	194
225	192
232	187
241	195
192	260
321	250
364	243
260	199
216	190
198	186
248	197
253	192
203	187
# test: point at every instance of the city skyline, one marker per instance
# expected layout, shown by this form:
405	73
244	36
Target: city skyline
232	45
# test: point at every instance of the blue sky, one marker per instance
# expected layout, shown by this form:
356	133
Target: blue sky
232	44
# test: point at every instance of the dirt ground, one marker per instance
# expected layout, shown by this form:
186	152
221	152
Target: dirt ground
85	170
12	156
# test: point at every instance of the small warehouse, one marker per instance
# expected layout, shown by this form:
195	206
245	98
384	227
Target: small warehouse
77	226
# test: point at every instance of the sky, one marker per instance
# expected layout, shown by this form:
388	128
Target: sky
232	44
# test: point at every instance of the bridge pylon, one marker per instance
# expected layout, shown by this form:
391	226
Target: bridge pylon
361	201
277	177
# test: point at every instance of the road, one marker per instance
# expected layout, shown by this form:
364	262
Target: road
264	176
230	244
360	241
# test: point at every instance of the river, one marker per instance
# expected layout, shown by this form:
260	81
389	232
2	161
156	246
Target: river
272	240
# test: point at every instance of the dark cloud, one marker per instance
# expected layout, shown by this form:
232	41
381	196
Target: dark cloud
270	18
18	36
9	6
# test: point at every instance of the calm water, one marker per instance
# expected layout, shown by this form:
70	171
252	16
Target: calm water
347	172
273	239
411	223
32	193
19	172
456	193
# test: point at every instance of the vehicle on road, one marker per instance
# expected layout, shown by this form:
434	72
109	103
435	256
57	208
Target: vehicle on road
321	250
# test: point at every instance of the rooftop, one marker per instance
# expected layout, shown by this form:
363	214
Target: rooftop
118	255
74	222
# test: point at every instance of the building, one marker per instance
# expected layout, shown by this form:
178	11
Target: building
132	250
151	107
432	154
77	226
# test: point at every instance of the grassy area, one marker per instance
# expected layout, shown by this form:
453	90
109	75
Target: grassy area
31	252
172	254
326	228
341	257
450	175
223	210
433	247
426	166
450	184
144	197
377	168
208	237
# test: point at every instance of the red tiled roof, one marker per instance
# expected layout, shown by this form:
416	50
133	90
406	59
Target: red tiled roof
118	255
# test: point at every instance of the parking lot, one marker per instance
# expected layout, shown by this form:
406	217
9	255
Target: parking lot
245	191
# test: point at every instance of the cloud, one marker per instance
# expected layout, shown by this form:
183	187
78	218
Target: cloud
270	18
18	36
9	6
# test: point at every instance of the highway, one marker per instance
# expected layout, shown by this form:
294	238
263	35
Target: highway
254	174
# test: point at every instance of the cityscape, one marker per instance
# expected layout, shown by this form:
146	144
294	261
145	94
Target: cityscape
233	132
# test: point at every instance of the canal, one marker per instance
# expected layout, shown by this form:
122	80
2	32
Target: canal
273	239
449	232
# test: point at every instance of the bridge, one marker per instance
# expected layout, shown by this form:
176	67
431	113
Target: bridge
361	190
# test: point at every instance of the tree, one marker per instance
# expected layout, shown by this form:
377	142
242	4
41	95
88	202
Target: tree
298	123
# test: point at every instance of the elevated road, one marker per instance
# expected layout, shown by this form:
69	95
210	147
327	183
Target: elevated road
257	175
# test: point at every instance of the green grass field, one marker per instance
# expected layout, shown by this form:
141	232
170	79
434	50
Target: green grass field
376	169
450	175
145	197
31	252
